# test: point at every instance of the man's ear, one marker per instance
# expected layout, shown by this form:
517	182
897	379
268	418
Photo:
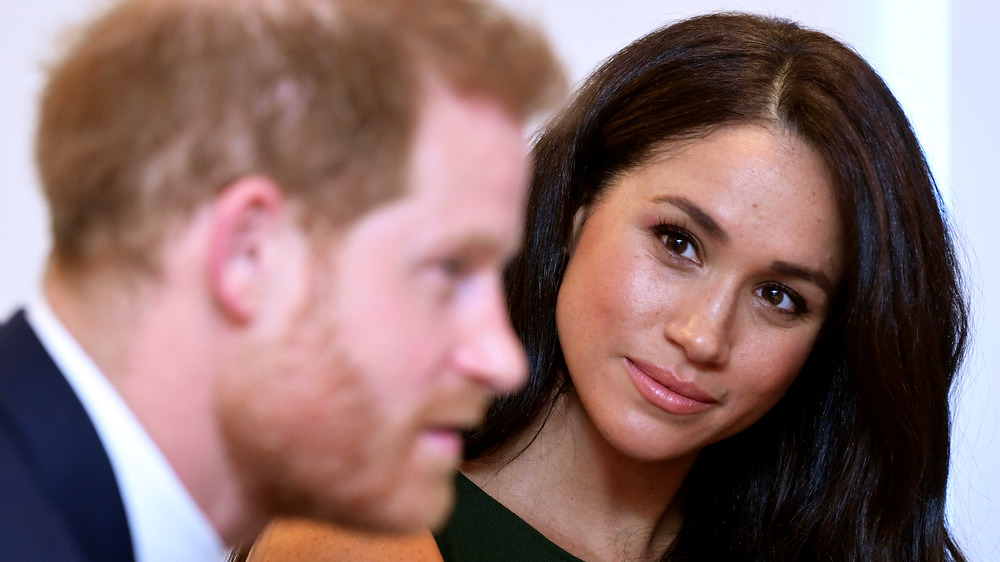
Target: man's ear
249	220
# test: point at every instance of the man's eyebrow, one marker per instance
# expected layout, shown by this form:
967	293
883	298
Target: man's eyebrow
697	214
813	275
482	245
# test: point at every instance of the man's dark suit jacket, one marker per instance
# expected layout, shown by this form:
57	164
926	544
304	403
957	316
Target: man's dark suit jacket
59	500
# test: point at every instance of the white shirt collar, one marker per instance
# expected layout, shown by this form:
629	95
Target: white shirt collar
165	522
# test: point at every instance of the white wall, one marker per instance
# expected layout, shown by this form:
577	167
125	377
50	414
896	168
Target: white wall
975	153
938	56
29	33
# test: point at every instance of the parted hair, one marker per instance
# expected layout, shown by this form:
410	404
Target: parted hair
158	104
852	463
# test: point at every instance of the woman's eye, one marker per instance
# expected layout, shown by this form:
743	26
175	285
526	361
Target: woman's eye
780	297
680	244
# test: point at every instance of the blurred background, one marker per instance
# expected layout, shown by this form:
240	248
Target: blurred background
938	56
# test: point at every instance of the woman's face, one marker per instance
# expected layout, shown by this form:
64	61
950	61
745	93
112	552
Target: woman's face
696	288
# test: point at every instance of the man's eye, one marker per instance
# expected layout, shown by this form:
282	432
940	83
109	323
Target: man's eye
452	267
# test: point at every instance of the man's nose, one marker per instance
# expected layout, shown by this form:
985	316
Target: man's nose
491	352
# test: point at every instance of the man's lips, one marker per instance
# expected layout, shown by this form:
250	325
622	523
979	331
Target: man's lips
455	427
666	391
445	433
448	441
458	421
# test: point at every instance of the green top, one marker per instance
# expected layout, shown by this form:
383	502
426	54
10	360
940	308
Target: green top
482	530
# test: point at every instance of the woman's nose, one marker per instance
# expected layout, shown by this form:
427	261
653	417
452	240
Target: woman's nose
701	326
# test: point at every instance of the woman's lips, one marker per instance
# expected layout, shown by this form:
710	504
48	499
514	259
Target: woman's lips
664	390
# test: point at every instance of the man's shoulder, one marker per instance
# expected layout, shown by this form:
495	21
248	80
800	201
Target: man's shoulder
13	331
59	493
32	389
31	527
20	349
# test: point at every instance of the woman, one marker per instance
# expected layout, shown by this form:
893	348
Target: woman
742	313
851	461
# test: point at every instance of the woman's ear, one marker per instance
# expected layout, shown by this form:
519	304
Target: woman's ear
578	219
245	244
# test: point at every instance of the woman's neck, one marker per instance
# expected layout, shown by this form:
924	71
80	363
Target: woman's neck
573	487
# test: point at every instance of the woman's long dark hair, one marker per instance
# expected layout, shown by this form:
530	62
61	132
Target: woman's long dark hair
852	463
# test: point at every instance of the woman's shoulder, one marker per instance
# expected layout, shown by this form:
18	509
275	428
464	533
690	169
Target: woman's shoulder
481	529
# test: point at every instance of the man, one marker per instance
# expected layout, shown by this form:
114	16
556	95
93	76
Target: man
278	227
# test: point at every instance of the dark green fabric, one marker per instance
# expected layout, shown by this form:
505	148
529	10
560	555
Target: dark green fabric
483	530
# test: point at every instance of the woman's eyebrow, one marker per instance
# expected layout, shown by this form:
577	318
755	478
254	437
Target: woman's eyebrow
808	274
697	214
713	228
